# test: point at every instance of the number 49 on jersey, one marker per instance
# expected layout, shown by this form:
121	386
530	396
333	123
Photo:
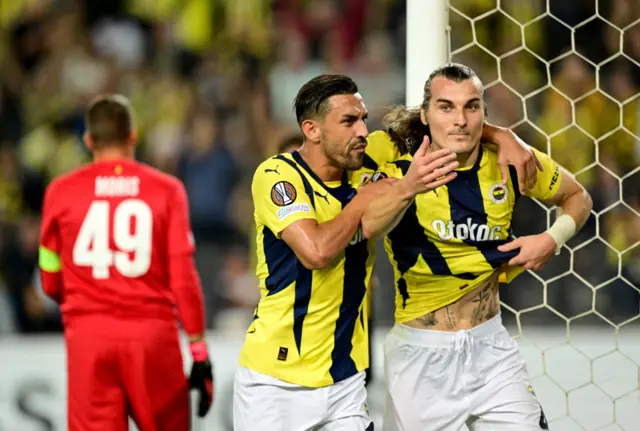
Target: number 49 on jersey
93	244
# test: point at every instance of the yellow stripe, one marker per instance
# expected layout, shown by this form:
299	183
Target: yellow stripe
49	261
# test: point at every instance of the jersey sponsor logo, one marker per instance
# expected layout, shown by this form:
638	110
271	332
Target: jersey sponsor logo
466	231
285	212
366	177
283	193
498	193
358	237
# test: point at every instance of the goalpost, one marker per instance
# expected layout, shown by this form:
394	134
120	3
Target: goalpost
586	376
427	45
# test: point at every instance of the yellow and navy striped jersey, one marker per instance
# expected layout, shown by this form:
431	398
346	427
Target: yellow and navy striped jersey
446	243
310	326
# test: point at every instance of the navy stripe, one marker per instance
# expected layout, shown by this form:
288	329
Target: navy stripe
403	165
302	276
353	293
304	279
513	175
403	291
281	262
305	182
370	427
409	241
467	208
369	163
284	269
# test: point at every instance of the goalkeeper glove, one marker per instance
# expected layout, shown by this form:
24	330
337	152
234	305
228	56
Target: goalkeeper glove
201	378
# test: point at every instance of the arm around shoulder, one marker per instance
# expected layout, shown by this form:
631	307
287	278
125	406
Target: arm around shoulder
384	212
283	206
317	244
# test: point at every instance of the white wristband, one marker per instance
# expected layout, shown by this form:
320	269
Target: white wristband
562	230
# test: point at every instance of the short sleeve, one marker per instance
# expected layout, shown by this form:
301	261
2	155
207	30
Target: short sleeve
279	196
548	181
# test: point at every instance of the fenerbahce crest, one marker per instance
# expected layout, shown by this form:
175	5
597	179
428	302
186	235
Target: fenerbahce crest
498	193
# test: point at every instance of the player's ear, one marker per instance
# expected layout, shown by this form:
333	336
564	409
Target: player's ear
311	130
133	137
88	142
423	116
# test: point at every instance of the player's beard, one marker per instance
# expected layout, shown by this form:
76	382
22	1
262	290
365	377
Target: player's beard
344	158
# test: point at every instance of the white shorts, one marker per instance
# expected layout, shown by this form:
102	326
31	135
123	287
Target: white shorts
262	402
440	381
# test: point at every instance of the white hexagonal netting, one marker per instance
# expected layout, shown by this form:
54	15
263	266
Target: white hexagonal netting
565	77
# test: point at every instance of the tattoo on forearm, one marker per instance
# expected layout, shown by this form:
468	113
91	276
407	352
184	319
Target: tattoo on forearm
428	319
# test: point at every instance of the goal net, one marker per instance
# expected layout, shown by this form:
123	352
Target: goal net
565	76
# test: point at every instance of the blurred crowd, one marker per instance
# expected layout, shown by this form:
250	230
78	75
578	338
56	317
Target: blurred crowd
212	83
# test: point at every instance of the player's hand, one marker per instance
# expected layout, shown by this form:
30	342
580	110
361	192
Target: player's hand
201	378
535	251
514	151
429	171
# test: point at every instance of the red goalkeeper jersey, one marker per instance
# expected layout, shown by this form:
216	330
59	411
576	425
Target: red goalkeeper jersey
116	240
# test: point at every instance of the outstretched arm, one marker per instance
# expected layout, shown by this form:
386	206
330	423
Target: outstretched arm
384	213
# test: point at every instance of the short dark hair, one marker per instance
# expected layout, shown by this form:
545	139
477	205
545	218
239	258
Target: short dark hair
312	98
109	120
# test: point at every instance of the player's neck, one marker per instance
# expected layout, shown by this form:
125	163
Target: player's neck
469	159
466	160
108	154
320	165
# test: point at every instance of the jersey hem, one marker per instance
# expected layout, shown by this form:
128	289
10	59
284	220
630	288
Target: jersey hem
286	377
411	316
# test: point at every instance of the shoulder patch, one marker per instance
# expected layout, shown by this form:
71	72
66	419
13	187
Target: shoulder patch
283	193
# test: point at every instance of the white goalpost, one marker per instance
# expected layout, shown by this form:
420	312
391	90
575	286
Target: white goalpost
586	374
427	45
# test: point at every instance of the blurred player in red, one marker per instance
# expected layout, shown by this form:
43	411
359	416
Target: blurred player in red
116	252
